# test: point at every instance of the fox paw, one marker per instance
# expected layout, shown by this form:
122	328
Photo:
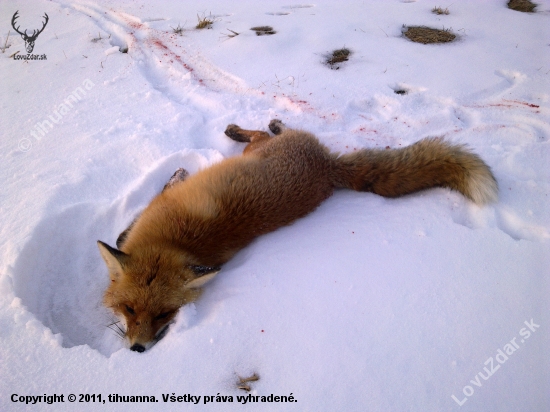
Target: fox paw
234	132
179	176
276	126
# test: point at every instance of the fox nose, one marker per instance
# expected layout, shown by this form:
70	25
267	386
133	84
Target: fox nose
137	348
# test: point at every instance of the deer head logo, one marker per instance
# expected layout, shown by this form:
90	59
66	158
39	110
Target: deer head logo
29	40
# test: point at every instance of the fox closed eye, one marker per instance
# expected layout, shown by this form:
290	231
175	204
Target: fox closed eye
162	315
130	310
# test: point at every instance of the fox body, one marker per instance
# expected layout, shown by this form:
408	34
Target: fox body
199	222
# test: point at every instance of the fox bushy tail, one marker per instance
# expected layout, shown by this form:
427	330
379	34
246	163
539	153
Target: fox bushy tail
431	162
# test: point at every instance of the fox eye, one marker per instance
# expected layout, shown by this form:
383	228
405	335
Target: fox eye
130	310
162	316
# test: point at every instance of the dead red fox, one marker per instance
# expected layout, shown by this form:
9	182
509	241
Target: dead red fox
199	222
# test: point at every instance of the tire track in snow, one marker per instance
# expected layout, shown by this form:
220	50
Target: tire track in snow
160	58
182	75
179	73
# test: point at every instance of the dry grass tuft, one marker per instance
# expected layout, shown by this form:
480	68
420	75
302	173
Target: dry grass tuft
98	38
263	30
439	10
525	6
231	34
244	382
204	22
338	56
178	30
6	45
427	35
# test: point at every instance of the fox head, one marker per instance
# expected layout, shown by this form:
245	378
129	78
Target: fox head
148	288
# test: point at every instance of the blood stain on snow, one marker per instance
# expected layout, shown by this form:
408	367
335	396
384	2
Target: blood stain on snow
135	25
304	105
522	103
158	43
510	104
364	129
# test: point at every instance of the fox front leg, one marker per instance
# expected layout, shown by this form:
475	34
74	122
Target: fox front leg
179	176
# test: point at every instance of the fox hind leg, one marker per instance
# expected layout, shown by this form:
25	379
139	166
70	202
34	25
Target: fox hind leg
250	136
254	138
277	127
245	136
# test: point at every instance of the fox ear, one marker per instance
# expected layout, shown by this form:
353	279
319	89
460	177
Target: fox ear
114	259
205	274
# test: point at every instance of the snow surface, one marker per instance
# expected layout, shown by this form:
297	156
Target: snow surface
368	304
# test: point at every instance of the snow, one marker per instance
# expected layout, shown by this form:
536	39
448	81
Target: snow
366	304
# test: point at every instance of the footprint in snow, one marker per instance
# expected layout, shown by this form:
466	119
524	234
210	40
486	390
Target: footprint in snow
502	217
517	228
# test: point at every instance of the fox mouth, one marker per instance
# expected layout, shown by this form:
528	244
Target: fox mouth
137	347
161	333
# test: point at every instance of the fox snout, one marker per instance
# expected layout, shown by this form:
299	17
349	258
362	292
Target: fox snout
142	324
137	347
143	334
142	347
141	344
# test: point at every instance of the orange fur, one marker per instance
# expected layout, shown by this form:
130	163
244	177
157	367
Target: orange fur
196	225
